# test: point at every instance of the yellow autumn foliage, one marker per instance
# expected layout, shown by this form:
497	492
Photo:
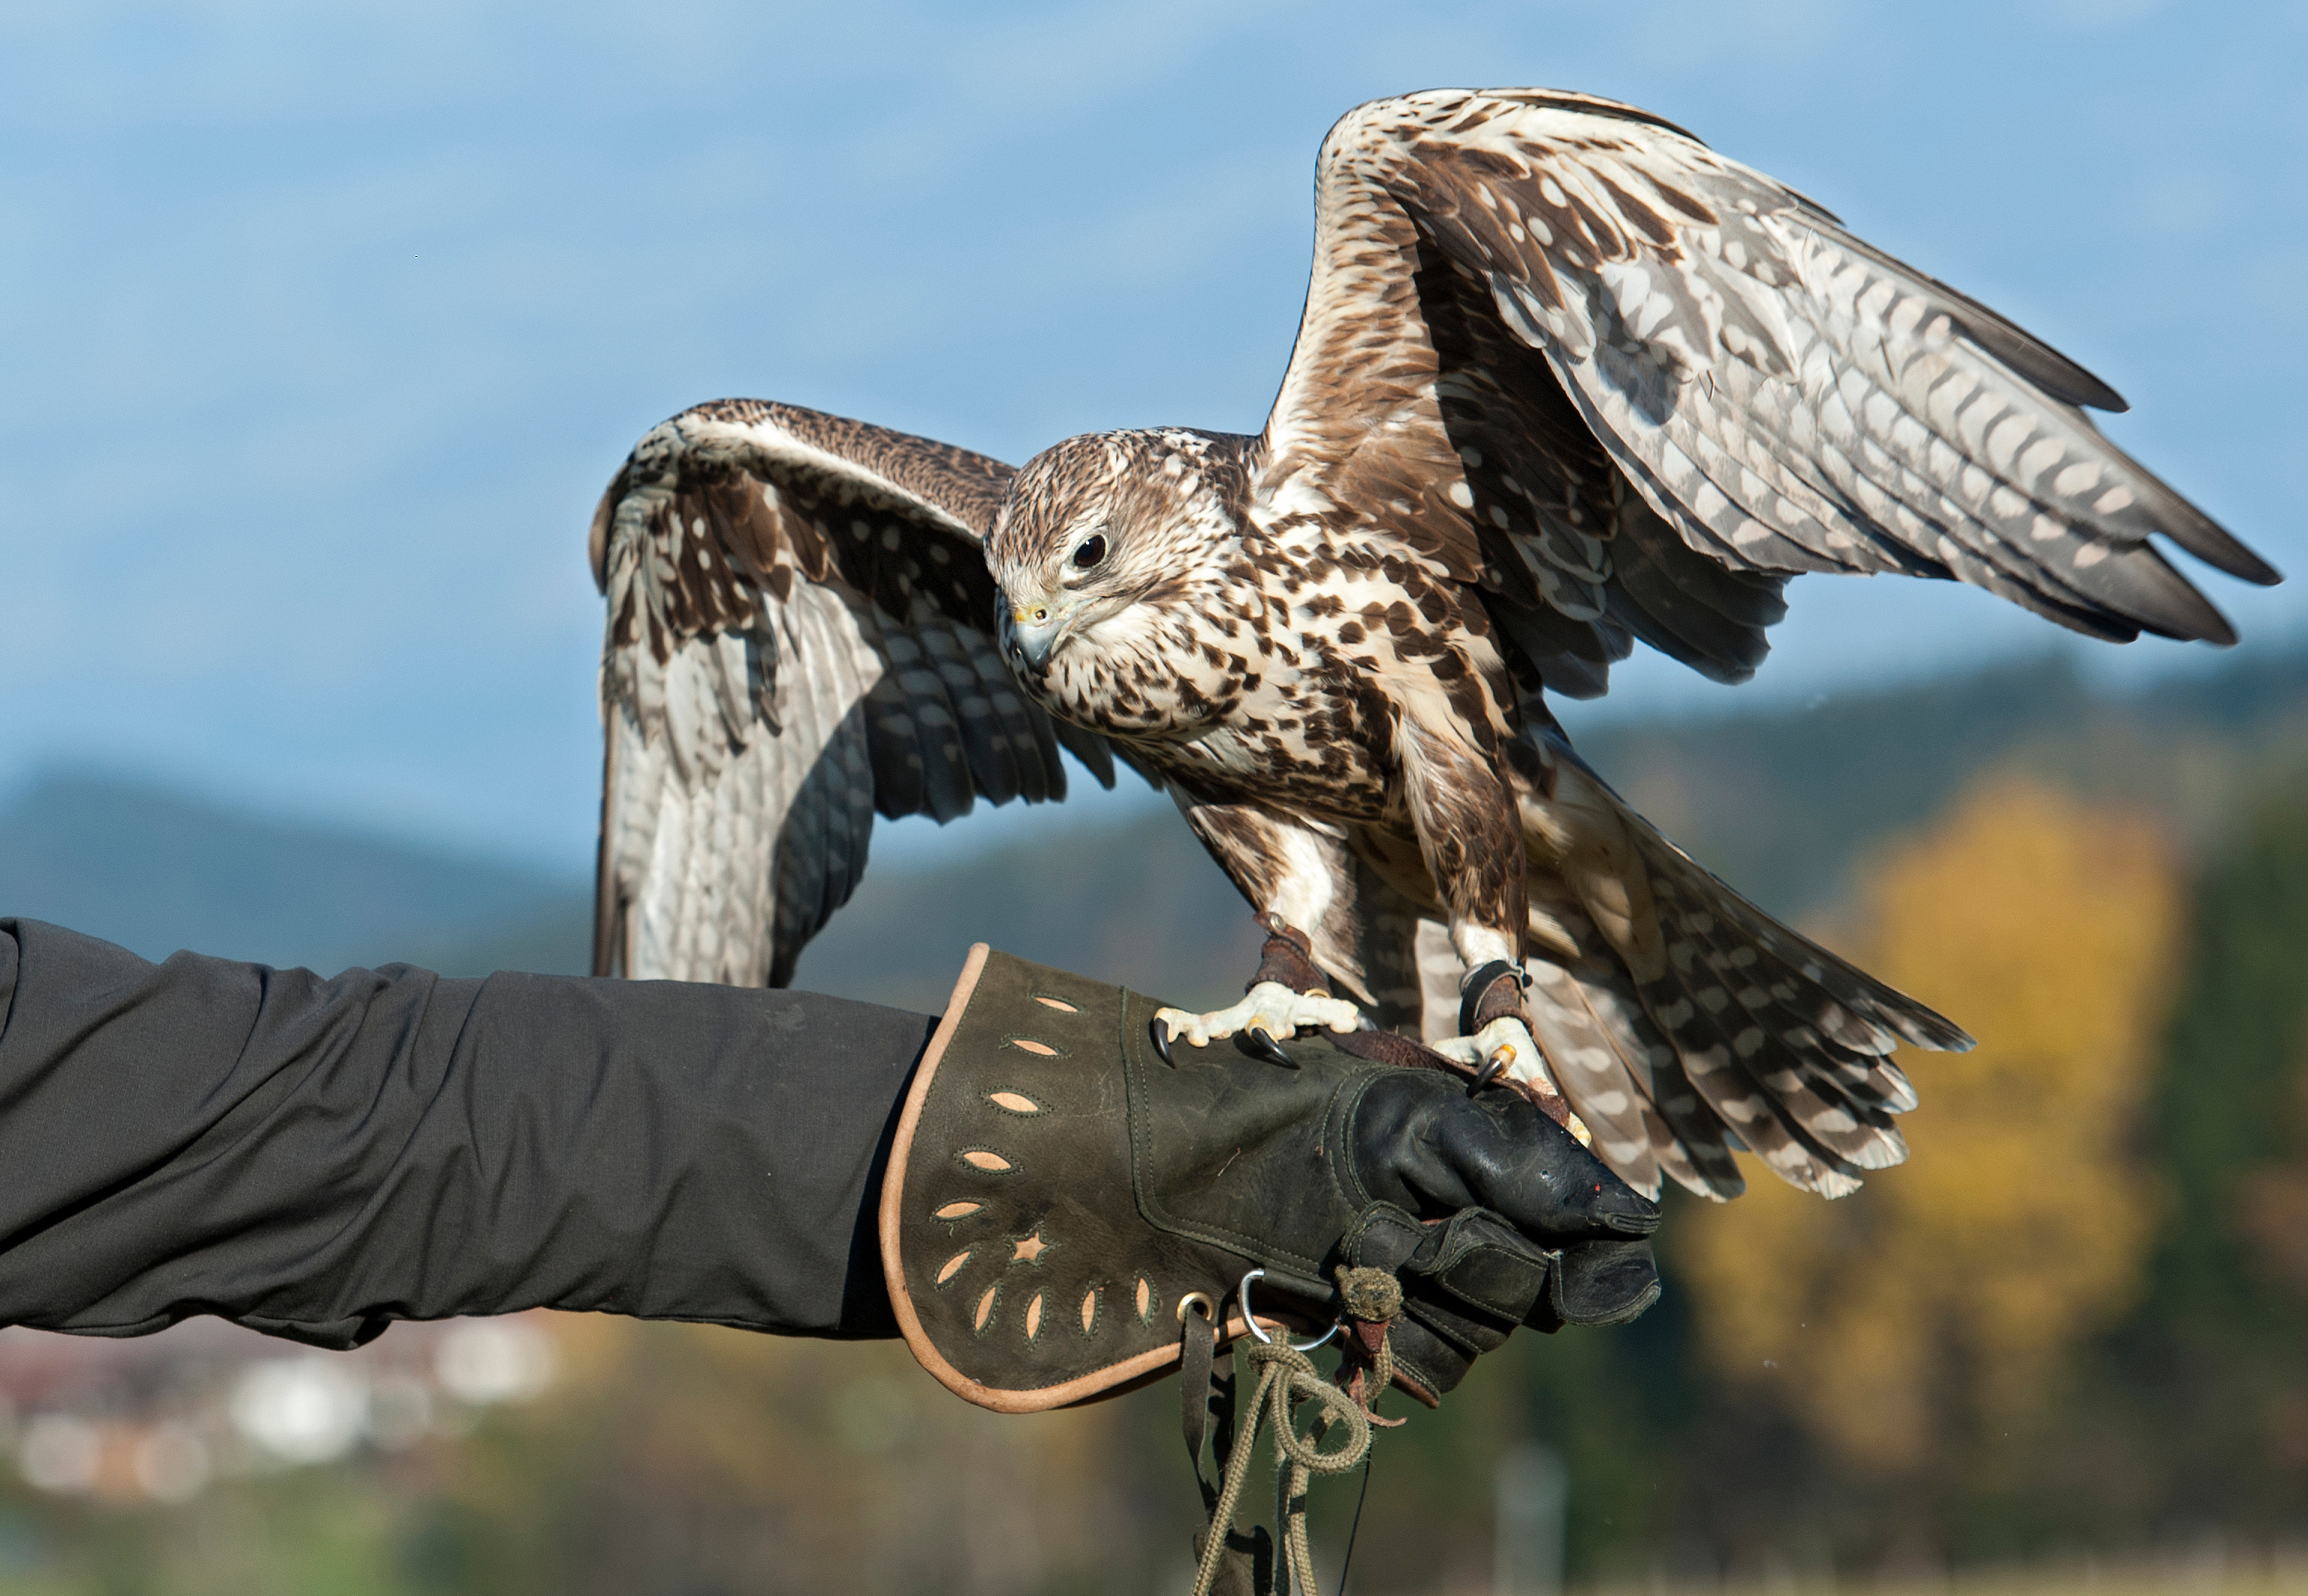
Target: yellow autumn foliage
1945	1289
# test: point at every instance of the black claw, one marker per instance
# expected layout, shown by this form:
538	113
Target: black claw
1486	1075
1264	1046
1160	1032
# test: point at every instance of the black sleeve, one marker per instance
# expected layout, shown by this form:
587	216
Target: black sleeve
317	1157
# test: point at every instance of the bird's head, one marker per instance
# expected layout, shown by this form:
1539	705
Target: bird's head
1097	537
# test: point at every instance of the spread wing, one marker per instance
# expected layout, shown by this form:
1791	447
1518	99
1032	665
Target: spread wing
1624	389
800	635
1630	387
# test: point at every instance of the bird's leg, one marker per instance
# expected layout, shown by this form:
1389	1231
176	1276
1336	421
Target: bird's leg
1289	993
1494	1039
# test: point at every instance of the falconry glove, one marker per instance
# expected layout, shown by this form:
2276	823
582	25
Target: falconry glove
1061	1201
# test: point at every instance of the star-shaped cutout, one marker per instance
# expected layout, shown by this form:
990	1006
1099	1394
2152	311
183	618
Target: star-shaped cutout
1029	1250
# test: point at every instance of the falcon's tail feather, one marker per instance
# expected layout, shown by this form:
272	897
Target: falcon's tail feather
1786	1043
1586	1018
1732	1029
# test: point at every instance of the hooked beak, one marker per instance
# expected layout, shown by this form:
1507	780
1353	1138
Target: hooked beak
1034	627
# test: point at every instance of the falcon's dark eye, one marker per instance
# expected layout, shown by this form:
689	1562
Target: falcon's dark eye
1091	550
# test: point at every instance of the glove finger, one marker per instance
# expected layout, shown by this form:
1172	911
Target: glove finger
1422	1144
1597	1282
1466	1283
1517	1161
1476	1259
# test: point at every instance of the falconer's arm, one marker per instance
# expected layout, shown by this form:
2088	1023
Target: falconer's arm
316	1157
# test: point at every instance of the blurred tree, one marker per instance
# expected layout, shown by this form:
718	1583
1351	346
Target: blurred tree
2273	1201
2272	1211
2212	1370
1906	1324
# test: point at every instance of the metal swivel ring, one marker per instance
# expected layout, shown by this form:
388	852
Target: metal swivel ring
1242	1293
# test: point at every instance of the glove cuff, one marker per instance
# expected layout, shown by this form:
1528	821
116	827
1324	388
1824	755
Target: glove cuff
1018	1280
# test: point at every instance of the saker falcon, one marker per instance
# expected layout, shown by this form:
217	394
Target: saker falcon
1567	379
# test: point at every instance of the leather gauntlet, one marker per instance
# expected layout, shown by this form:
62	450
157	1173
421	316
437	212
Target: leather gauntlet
1059	1196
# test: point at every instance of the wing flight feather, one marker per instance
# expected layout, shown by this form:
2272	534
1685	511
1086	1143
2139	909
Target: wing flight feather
800	636
1779	396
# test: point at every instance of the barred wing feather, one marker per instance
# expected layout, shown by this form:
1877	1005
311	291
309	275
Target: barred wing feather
799	636
1786	397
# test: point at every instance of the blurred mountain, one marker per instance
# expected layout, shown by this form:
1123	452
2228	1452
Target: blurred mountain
158	870
1782	802
1141	903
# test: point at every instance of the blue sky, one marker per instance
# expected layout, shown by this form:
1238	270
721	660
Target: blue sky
323	325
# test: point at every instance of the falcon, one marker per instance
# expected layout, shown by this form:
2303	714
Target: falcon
1566	380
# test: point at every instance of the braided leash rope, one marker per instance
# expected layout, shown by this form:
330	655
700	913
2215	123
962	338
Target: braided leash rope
1286	1379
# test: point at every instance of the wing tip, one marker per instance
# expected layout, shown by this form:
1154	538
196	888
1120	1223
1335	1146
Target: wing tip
2224	552
1917	1024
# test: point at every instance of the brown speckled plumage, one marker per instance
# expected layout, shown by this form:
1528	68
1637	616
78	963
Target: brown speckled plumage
1566	380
